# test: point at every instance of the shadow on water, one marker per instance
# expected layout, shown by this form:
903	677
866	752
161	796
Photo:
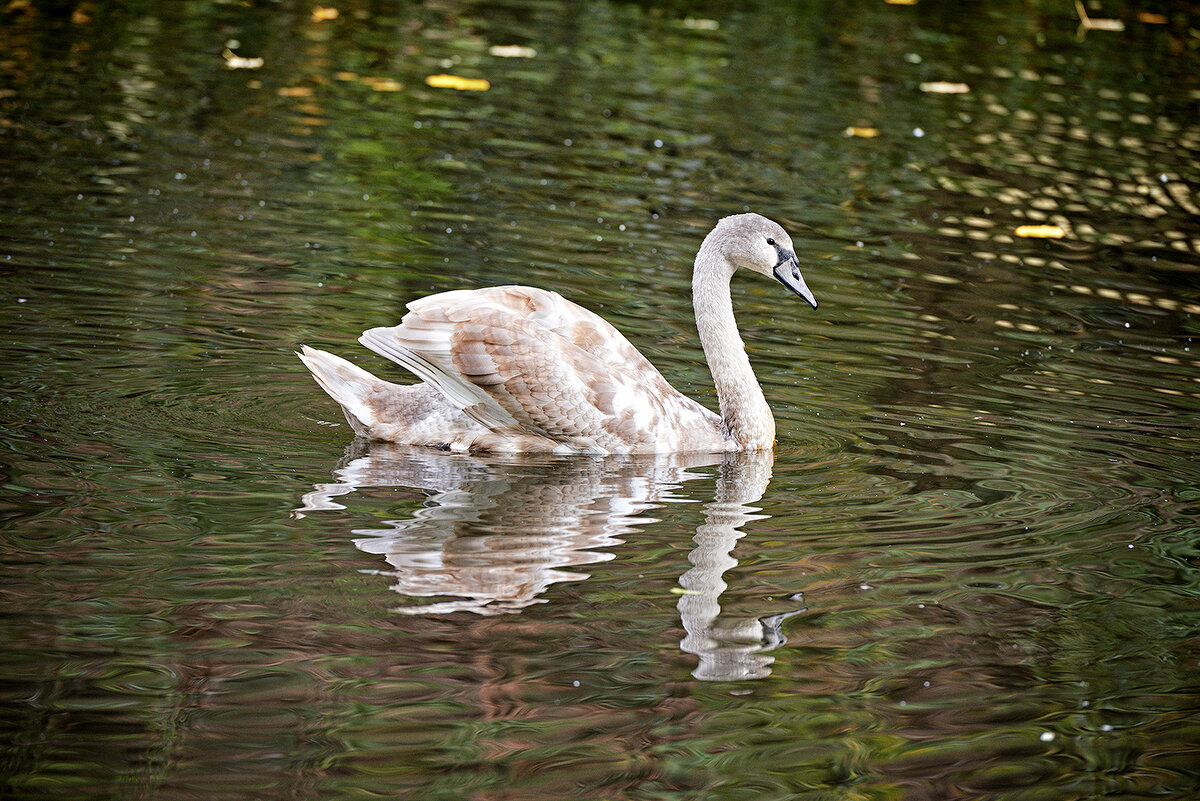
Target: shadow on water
495	533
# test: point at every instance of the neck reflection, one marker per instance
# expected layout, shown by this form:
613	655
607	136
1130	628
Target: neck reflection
493	534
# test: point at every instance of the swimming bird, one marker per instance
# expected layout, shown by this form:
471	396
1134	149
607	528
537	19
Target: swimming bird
515	369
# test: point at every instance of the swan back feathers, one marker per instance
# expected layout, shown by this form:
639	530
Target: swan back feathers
532	364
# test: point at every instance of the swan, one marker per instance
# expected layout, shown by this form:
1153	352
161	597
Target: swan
514	369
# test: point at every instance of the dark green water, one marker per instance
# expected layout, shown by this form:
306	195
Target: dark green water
971	570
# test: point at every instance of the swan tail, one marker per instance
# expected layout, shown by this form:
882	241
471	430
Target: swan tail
348	384
435	367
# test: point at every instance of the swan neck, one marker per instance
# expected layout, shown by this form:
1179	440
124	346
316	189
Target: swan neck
744	411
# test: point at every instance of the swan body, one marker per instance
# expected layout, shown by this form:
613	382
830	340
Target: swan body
522	370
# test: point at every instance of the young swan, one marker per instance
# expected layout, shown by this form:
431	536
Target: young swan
521	370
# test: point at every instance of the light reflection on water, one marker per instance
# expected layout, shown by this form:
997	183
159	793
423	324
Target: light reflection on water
970	570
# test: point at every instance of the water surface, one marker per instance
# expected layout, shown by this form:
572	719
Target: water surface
969	571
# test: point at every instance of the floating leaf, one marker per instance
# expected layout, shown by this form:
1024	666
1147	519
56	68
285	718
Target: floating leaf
945	88
345	76
862	133
511	51
383	84
458	82
235	62
320	14
1040	231
1087	23
295	91
901	2
701	24
1150	18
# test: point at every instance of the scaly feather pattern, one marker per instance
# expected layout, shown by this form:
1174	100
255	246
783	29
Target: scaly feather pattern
519	369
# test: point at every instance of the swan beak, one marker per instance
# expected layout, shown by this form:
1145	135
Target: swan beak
788	273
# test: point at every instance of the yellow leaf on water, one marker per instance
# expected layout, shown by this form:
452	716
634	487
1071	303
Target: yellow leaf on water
1150	18
295	91
320	14
511	51
901	2
862	133
383	84
345	76
945	88
458	82
1040	231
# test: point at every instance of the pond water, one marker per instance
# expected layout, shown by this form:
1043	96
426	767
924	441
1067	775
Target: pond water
970	570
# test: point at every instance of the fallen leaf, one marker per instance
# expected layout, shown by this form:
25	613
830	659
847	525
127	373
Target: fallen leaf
511	51
1150	18
383	84
901	2
862	133
320	14
80	17
295	91
1040	231
235	62
945	88
1087	23
701	24
458	82
345	76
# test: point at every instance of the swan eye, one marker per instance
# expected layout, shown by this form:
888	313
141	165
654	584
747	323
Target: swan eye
770	241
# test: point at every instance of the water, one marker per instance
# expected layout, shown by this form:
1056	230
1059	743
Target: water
970	570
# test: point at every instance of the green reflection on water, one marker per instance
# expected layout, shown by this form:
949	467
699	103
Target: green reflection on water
972	574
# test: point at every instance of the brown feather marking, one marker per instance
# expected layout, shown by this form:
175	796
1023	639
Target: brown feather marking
556	368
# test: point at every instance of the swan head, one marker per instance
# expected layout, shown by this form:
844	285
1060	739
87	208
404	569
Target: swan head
761	245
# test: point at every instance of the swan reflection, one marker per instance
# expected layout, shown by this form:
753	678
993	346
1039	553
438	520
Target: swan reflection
728	647
494	533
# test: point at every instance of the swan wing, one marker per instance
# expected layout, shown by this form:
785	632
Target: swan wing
527	361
